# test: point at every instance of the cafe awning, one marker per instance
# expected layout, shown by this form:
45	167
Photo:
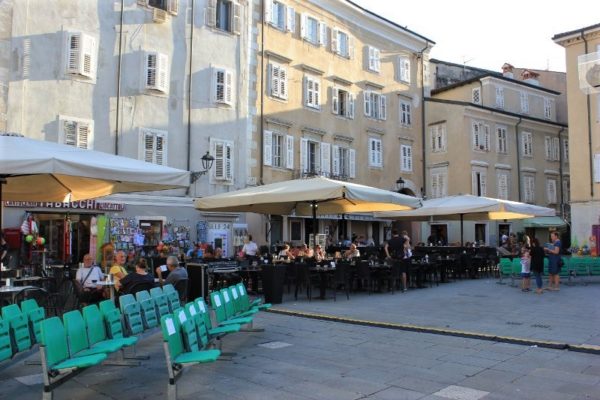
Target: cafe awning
544	222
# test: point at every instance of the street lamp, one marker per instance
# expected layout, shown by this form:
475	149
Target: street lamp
207	162
400	184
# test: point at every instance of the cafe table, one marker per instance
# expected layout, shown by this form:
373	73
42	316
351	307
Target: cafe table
13	291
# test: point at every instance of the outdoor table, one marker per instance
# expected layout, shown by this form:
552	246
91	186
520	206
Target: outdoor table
33	280
324	272
111	285
13	291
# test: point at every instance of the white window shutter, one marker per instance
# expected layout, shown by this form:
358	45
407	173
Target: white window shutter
548	147
84	136
290	19
350	54
335	41
236	21
379	153
229	161
307	91
434	185
474	181
229	87
476	135
483	183
87	65
151	70
173	6
73	52
162	75
218	85
317	95
211	13
326	158
383	108
273	72
556	148
304	155
367	103
160	150
69	133
371	152
322	33
335	108
268	152
350	107
352	162
148	144
486	137
289	147
371	58
303	25
269	14
335	165
219	152
283	84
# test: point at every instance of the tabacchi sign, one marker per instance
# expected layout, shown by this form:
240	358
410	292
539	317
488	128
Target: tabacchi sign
73	205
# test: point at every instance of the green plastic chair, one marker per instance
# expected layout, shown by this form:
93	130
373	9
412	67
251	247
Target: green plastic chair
5	341
77	337
238	307
230	308
162	303
245	300
172	297
148	307
97	330
19	325
218	304
211	330
188	330
35	315
132	312
113	320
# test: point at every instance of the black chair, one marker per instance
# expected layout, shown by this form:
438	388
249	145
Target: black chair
302	280
182	289
341	279
364	277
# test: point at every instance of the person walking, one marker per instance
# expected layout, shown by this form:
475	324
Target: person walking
554	261
537	264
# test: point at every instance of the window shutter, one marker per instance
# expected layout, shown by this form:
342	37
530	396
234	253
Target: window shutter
367	104
88	56
371	152
283	92
335	108
350	107
548	147
162	74
566	142
352	162
73	53
442	184
326	158
291	19
383	107
434	185
160	150
236	26
406	158
486	137
70	133
556	149
274	81
335	40
322	33
371	58
502	186
229	87
218	85
317	95
269	14
211	13
475	135
148	142
551	191
151	61
83	136
303	25
483	183
335	167
304	155
474	183
268	152
307	91
229	161
219	153
289	146
173	6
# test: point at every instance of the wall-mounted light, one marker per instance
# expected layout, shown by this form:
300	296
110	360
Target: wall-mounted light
207	162
400	184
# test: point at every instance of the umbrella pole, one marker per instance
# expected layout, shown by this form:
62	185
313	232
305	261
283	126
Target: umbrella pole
461	229
314	224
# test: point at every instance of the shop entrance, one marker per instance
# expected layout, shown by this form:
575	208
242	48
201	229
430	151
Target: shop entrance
67	236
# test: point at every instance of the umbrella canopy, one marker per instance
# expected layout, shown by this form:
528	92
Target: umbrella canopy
300	195
37	170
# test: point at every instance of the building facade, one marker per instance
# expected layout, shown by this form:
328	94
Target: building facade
582	49
498	136
339	93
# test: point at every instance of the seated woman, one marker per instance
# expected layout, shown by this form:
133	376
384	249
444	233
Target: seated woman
319	253
139	277
209	253
352	252
306	252
286	253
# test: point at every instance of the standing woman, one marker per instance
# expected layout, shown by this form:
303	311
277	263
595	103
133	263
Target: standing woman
537	264
553	252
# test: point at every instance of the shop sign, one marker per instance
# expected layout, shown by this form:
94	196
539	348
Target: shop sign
73	205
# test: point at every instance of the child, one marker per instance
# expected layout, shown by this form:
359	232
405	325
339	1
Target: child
525	269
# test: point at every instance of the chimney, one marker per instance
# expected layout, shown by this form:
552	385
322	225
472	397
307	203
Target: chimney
530	77
507	71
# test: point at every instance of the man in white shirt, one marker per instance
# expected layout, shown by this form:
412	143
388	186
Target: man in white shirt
87	279
250	249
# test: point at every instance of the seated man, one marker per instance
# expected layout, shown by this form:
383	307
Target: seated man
176	273
286	253
139	276
352	252
306	252
86	280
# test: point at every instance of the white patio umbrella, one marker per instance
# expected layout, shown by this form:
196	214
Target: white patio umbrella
311	196
37	170
471	207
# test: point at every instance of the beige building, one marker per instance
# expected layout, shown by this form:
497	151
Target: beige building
496	135
582	48
339	93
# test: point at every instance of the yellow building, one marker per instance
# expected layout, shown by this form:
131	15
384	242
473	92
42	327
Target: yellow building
339	93
582	48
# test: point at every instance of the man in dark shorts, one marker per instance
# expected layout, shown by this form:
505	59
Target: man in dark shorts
394	249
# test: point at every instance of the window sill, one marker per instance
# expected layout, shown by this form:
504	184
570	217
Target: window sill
311	108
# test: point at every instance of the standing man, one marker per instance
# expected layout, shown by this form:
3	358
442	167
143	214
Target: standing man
250	248
552	250
394	250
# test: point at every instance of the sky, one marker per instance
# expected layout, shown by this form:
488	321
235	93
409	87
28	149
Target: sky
486	34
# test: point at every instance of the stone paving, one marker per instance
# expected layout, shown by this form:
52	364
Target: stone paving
300	358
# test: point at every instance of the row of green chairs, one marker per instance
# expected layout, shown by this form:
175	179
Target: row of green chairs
20	328
232	305
144	311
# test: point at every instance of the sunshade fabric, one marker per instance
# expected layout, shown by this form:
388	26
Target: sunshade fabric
332	197
37	170
544	222
471	207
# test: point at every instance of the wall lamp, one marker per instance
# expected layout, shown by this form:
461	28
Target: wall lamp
207	162
400	184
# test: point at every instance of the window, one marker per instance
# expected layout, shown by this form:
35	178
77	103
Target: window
481	136
81	55
222	86
405	113
344	162
556	149
313	30
406	162
373	59
312	92
438	138
438	182
224	15
375	105
157	72
524	102
501	140
551	191
276	14
171	6
566	190
547	108
76	132
479	181
565	150
340	43
342	103
279	150
476	95
552	148
403	69
223	153
153	146
499	97
527	144
310	157
529	188
502	180
278	81
375	153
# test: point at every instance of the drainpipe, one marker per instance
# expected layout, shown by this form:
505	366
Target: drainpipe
560	173
423	129
262	94
119	62
518	158
189	102
589	125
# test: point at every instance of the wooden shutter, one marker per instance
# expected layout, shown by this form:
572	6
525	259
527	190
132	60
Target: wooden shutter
483	183
303	25
290	19
283	92
325	158
84	135
335	165
229	161
173	6
211	13
151	70
367	103
73	52
322	33
269	14
352	162
162	74
219	85
317	93
503	186
304	155
219	152
236	24
268	151
228	87
70	133
160	150
555	149
289	156
87	66
335	106
274	74
335	40
148	143
406	158
548	147
350	106
382	107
